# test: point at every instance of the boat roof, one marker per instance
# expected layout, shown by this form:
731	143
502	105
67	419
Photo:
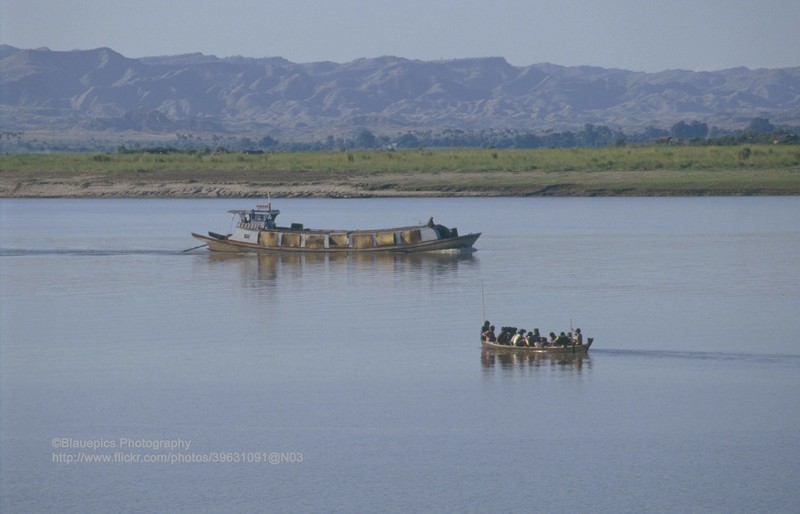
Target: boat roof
260	209
268	210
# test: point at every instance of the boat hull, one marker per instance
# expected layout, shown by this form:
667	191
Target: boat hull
222	244
573	349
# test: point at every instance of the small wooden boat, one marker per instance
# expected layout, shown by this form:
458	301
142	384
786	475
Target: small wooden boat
492	358
257	231
553	350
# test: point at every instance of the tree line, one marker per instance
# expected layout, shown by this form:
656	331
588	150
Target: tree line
758	131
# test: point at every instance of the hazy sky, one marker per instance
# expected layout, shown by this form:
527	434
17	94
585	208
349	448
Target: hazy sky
641	35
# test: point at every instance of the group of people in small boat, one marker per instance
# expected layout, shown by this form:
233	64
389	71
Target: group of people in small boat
511	336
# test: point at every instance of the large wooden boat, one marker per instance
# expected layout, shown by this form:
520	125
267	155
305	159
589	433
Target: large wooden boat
256	231
569	349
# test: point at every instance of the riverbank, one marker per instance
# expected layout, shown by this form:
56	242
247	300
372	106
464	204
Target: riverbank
636	171
632	184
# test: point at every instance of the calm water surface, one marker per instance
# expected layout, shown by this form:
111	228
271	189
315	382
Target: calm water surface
363	378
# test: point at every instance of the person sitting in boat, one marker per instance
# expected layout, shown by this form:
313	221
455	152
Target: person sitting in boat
578	338
562	339
488	334
485	327
506	333
519	338
530	339
553	338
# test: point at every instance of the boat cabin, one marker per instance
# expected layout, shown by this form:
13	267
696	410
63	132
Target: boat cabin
263	216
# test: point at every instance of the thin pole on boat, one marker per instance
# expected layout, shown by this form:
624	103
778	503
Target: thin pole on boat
571	335
193	248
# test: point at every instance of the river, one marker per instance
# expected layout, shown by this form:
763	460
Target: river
135	377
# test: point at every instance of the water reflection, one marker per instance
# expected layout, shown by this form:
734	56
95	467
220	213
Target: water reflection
270	269
491	359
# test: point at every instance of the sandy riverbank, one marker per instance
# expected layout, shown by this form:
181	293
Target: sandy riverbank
84	186
81	187
123	189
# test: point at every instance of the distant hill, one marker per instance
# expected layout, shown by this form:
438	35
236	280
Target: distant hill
101	90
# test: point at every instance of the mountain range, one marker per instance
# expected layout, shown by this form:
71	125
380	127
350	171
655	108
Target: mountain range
102	90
